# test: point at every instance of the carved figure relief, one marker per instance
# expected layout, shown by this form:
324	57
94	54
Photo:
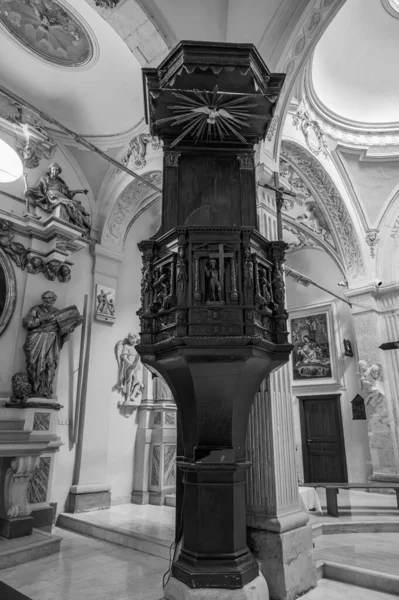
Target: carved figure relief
214	288
278	288
162	289
248	273
370	379
105	303
264	298
48	330
48	29
129	383
181	269
51	191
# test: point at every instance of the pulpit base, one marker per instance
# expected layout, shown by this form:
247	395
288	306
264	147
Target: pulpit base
255	590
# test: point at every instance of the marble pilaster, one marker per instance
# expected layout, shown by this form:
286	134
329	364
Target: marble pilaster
375	312
90	489
277	528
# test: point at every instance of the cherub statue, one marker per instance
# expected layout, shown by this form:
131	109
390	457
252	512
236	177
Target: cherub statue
129	382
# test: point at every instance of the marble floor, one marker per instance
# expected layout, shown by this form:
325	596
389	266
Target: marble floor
97	570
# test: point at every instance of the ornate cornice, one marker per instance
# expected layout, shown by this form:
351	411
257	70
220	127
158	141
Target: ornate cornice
322	186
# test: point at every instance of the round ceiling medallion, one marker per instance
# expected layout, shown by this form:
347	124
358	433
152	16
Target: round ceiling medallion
392	6
48	29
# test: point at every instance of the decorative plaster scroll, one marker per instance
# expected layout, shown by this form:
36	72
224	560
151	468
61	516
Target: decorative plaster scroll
52	269
32	141
16	486
312	133
107	3
138	149
136	198
313	173
372	239
298	239
305	207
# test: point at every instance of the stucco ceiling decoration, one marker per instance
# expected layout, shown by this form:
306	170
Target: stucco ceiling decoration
355	62
304	208
134	200
48	29
344	130
392	6
321	186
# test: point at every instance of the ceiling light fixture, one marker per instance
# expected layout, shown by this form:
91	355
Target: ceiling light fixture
392	7
10	164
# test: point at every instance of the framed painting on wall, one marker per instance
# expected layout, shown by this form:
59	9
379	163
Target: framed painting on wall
313	353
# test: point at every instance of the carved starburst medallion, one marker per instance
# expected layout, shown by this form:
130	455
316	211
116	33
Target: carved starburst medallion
210	116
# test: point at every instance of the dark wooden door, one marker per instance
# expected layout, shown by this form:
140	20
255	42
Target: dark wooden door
322	440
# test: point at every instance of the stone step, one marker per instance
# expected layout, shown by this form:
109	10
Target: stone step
118	534
366	578
170	500
20	550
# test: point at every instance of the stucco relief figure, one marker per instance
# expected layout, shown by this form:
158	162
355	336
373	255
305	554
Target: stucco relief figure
48	330
52	191
370	379
129	379
105	302
214	285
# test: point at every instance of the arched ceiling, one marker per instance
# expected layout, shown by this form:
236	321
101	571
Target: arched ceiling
101	97
355	64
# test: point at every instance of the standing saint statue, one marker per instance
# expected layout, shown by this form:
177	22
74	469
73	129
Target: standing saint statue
129	383
52	191
48	330
215	287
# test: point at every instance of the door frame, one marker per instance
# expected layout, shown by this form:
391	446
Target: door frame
321	397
